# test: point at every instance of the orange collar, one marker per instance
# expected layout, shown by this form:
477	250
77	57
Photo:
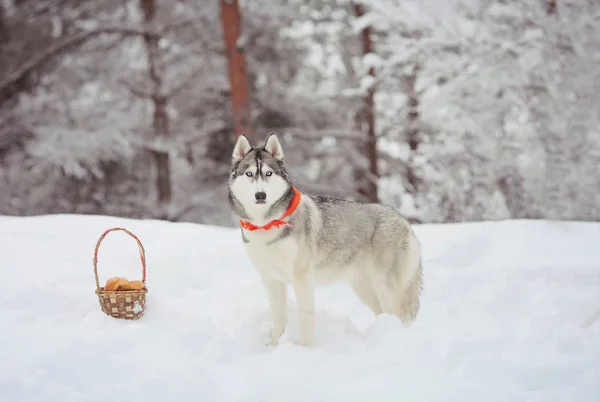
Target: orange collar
277	222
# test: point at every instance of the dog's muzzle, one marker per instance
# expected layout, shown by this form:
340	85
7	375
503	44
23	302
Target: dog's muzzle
261	197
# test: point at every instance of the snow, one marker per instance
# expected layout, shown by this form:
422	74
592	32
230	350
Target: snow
509	313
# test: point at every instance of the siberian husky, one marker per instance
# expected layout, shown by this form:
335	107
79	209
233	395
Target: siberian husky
305	240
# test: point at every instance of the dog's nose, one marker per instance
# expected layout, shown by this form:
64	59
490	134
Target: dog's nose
260	196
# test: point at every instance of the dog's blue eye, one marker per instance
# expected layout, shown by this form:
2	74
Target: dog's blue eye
269	173
249	174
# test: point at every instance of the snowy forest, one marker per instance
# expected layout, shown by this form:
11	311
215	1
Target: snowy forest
448	110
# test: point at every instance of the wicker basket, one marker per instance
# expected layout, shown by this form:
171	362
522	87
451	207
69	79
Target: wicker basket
126	304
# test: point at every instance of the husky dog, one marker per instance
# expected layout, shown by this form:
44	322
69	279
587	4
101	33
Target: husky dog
305	240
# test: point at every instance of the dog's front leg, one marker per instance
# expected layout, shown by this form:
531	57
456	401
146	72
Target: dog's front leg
277	295
304	290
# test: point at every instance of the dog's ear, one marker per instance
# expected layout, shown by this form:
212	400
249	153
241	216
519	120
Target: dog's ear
241	149
274	147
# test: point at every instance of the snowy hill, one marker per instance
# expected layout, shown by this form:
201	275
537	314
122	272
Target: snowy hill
509	313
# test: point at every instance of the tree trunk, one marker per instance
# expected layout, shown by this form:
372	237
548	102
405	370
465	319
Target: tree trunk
160	120
238	76
551	7
412	127
368	187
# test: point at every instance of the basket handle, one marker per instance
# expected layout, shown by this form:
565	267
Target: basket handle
140	246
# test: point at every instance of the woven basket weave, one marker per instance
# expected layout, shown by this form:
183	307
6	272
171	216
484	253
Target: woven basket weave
126	304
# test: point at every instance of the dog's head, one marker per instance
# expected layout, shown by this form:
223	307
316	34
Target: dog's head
258	178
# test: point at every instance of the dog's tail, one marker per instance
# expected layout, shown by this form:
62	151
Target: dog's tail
410	303
410	298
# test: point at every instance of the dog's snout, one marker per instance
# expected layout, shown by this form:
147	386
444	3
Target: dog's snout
260	196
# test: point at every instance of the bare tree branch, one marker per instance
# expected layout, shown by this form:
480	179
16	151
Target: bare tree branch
63	46
140	93
184	82
318	135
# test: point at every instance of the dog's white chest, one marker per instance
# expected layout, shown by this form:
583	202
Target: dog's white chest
272	256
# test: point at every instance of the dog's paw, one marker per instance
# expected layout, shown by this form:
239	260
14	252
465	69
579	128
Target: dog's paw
273	343
274	335
306	337
304	344
305	341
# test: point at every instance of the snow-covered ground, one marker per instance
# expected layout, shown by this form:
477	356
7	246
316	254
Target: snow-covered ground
509	313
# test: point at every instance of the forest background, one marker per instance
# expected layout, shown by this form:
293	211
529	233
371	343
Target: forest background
448	110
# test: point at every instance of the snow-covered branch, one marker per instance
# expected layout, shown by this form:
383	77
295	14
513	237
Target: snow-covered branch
64	45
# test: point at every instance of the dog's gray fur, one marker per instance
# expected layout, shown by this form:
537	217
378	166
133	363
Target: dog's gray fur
370	246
